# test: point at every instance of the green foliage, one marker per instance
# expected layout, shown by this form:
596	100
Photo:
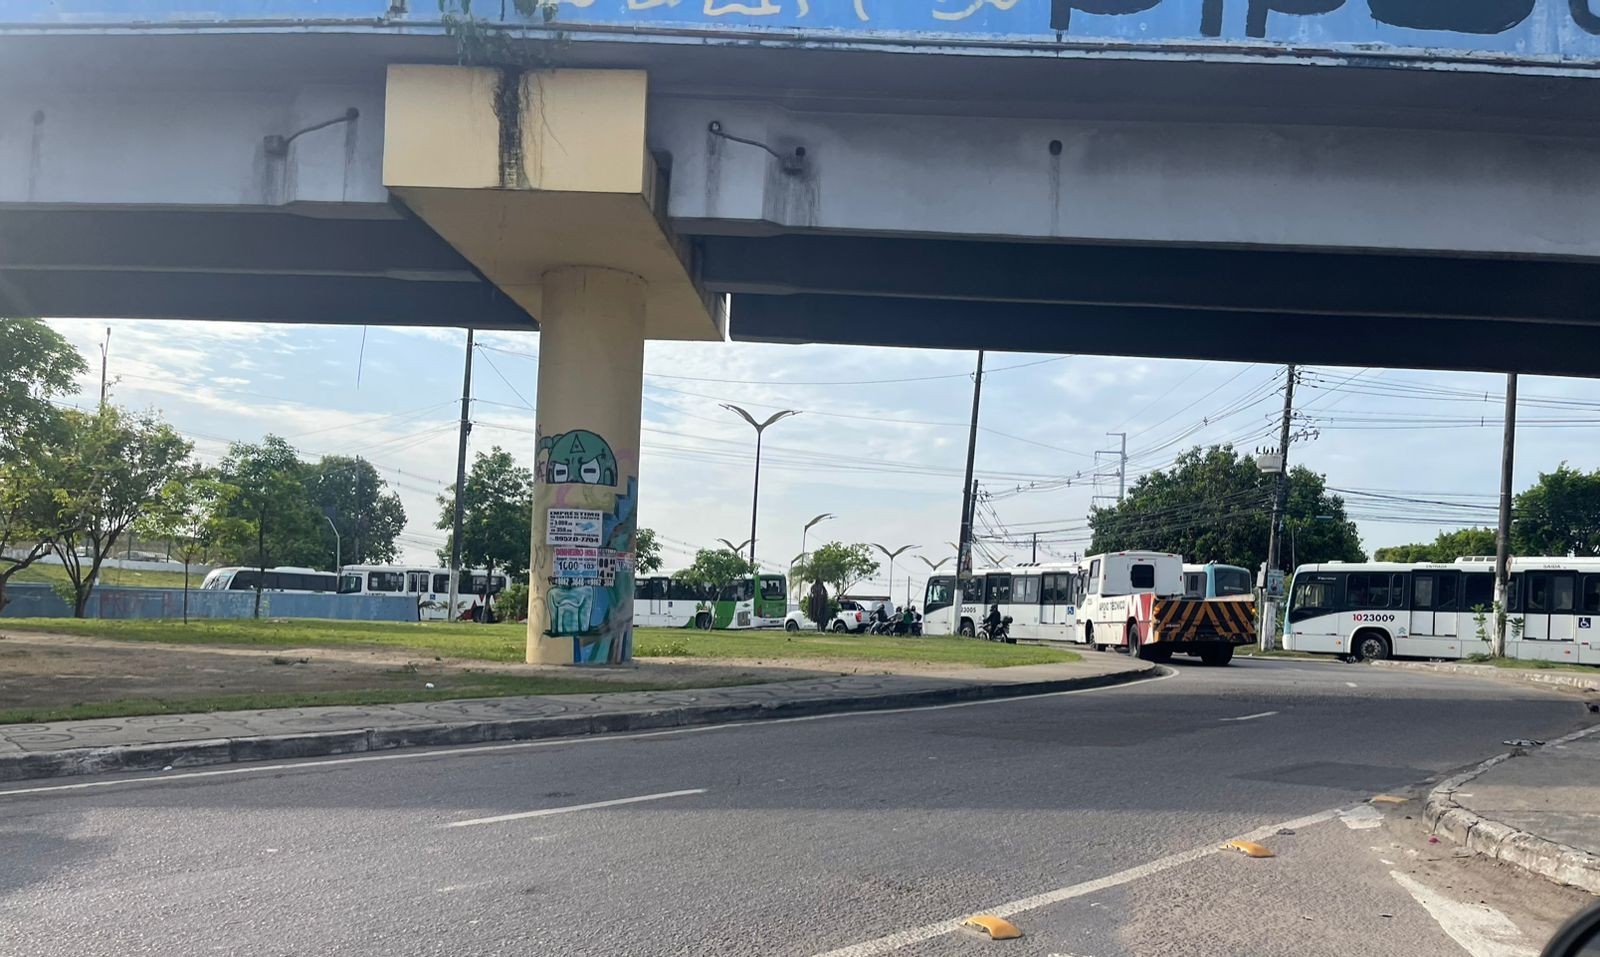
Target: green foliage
369	517
647	552
512	603
496	527
36	365
1449	546
1559	515
1215	505
110	470
660	646
837	565
276	524
715	569
191	512
486	42
29	516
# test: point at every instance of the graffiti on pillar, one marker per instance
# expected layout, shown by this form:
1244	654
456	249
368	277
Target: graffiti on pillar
578	457
590	581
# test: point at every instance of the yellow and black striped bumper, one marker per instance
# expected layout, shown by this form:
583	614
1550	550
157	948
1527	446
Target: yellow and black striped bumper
1181	620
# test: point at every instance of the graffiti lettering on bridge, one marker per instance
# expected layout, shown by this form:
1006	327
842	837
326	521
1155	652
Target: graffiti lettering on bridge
1482	17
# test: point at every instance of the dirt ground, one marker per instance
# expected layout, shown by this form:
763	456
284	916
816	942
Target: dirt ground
41	670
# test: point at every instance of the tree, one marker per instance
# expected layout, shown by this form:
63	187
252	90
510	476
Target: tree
29	517
36	365
367	514
1215	505
714	569
276	524
497	520
1559	515
1448	547
838	566
191	512
110	471
647	552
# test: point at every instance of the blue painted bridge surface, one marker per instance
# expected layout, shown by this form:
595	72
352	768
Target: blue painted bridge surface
36	600
1504	32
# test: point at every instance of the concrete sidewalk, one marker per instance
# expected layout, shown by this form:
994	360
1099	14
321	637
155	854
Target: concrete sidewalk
189	740
1536	807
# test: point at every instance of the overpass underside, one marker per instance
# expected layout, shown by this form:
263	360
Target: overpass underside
1242	210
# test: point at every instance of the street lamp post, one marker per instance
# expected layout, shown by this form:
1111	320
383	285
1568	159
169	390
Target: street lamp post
338	544
807	530
892	556
736	549
755	496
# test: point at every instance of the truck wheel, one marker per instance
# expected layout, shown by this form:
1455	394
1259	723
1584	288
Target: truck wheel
1135	649
838	628
1370	646
966	630
1217	655
791	625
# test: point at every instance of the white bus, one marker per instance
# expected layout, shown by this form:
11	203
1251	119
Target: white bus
430	587
283	578
1214	580
663	601
1041	600
1437	610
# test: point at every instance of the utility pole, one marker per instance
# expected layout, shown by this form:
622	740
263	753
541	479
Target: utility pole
969	488
1036	548
461	483
1502	539
105	352
1269	608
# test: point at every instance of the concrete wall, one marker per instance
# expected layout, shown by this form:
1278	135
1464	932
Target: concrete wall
35	600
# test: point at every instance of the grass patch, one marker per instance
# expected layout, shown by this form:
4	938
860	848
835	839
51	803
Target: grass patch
56	575
1521	664
507	642
445	688
783	646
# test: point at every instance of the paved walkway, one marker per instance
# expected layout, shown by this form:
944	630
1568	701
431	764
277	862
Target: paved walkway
107	744
1537	807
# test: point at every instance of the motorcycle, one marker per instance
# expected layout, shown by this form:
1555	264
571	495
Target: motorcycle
1002	632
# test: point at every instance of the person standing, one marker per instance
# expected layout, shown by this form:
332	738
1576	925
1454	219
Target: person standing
817	606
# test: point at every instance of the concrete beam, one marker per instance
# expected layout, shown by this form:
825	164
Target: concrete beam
1389	341
1226	279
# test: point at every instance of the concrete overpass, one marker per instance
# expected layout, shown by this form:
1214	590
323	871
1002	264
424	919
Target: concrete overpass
1375	182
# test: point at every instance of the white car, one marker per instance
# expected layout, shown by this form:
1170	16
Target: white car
852	617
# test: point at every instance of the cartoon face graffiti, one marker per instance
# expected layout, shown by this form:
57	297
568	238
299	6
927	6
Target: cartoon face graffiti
578	457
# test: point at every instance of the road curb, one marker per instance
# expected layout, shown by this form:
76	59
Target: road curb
199	753
1567	679
1558	862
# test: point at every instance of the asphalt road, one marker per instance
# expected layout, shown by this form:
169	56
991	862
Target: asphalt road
1092	818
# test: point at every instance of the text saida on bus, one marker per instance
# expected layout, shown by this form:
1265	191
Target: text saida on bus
1137	601
1446	610
666	601
1040	599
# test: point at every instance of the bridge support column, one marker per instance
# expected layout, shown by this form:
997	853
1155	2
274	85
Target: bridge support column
586	481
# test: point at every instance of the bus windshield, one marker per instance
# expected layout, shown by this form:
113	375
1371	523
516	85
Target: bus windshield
1231	581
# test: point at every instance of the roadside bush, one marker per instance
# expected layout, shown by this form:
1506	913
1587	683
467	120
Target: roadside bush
512	603
655	646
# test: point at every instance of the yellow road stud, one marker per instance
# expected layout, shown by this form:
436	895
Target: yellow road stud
998	928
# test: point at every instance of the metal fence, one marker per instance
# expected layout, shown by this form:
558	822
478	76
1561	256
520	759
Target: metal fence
37	600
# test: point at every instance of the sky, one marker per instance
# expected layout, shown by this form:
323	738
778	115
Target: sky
880	443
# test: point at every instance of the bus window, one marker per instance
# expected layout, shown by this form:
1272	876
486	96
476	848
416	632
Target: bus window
1563	587
1538	592
1422	592
1313	597
1591	594
1232	581
349	584
1056	590
997	590
1448	591
773	587
245	580
386	581
941	594
1477	591
441	584
416	582
1142	576
682	591
972	590
1194	584
1094	573
1370	589
741	590
1025	590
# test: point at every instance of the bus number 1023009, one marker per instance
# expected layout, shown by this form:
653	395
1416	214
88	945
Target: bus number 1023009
1371	616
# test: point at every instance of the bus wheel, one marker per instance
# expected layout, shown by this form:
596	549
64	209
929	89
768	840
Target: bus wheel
702	621
791	625
1370	646
967	631
1217	655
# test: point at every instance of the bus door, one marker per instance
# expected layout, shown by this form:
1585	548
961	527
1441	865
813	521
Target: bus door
1314	616
1549	606
1055	607
1536	601
417	583
1025	609
1435	599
